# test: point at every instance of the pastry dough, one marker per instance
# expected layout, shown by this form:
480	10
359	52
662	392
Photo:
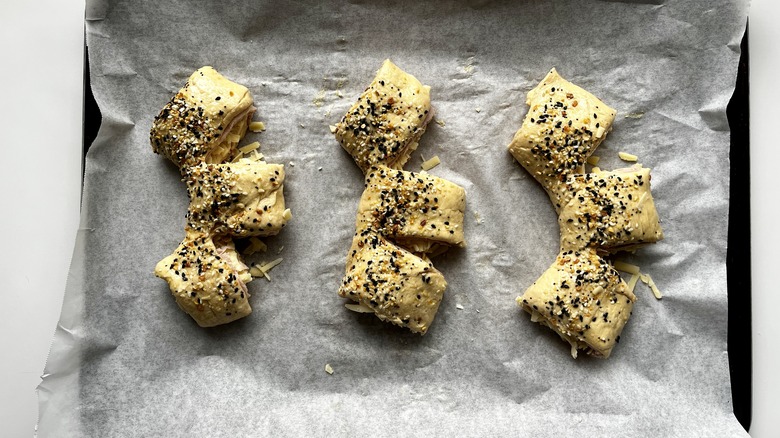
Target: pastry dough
403	217
241	199
416	210
199	129
204	121
397	285
582	297
563	127
385	124
207	279
610	211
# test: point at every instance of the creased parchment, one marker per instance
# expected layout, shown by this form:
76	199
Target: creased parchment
127	362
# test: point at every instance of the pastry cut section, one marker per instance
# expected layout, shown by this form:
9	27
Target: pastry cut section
416	210
611	211
207	279
562	128
385	124
398	286
204	121
241	199
583	299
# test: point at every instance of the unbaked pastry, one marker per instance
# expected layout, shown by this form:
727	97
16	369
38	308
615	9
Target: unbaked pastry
207	279
385	124
199	129
398	286
241	199
582	297
403	217
417	210
204	121
610	211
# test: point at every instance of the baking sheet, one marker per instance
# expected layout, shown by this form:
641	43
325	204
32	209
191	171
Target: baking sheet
127	361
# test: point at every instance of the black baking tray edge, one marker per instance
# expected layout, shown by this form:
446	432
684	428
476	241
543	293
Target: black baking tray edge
738	264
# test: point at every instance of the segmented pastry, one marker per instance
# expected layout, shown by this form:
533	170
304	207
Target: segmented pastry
199	129
581	296
403	217
563	127
385	124
204	121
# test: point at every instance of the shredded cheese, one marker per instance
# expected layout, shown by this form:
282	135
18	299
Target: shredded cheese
430	164
262	270
478	109
328	369
332	129
254	271
287	214
626	267
440	122
634	115
249	148
646	279
625	156
632	282
359	308
257	126
258	244
459	307
318	100
270	265
593	160
239	156
233	138
596	169
255	245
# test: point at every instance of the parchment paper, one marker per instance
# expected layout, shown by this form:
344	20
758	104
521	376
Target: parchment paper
127	362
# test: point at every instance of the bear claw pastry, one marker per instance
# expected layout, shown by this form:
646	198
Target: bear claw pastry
403	217
199	130
581	296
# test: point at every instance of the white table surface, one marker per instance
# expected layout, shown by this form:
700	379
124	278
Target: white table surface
41	120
